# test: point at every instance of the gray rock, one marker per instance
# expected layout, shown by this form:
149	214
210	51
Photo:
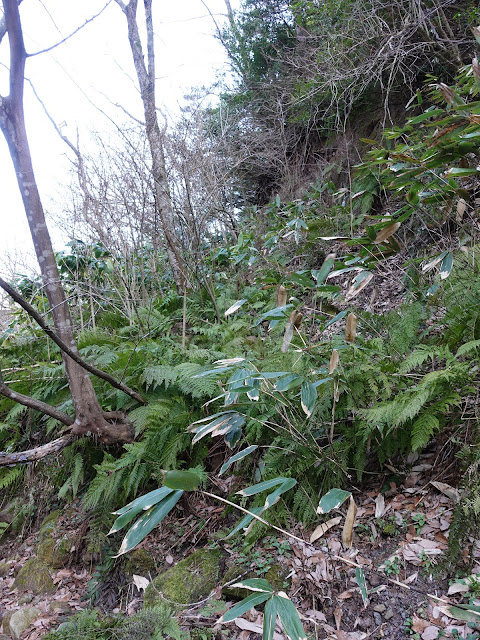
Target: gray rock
380	608
378	618
365	623
21	620
389	614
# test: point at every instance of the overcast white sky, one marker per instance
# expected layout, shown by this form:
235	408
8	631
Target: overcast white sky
95	68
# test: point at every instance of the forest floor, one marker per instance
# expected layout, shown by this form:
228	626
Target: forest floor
400	538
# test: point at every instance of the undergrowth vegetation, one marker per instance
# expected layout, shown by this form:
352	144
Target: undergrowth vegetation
279	346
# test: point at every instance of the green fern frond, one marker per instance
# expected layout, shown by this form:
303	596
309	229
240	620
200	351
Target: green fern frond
423	429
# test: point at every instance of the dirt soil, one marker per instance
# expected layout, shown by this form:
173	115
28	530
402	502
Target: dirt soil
400	536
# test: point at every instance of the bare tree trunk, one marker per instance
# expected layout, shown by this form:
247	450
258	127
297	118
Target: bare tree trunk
146	79
89	417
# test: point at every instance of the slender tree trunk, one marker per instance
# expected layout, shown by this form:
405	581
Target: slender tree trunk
89	418
146	79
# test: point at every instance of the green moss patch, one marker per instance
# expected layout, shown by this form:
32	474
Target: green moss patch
188	581
34	576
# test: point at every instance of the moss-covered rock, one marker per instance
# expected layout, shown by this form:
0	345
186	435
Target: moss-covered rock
34	576
49	525
277	575
140	563
188	581
53	552
234	573
18	621
5	568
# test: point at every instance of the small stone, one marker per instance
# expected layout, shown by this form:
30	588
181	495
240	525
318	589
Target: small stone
378	618
389	614
380	608
21	620
375	580
59	606
364	623
26	599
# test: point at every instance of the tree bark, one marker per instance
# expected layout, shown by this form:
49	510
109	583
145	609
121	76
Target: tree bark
30	455
146	79
89	418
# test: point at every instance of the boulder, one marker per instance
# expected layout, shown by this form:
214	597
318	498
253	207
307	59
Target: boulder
54	553
34	576
140	563
20	620
188	581
49	525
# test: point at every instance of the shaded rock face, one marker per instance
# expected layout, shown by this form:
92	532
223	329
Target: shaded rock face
20	620
53	552
188	581
48	525
140	562
34	576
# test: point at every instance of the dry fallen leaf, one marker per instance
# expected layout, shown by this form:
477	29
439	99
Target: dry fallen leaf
447	490
324	527
419	625
140	582
347	533
379	506
430	633
246	625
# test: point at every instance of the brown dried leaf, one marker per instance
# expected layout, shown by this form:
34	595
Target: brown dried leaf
461	208
386	232
347	533
379	506
430	633
419	625
351	328
322	529
356	288
281	297
334	360
447	490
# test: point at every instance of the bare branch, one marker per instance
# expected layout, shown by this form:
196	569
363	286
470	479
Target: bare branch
33	403
3	25
38	453
57	44
64	347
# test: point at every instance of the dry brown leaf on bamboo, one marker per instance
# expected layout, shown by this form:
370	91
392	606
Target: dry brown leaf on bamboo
294	322
351	328
347	533
334	360
281	297
461	208
386	232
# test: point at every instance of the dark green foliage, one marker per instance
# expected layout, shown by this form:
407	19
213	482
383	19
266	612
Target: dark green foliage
153	624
